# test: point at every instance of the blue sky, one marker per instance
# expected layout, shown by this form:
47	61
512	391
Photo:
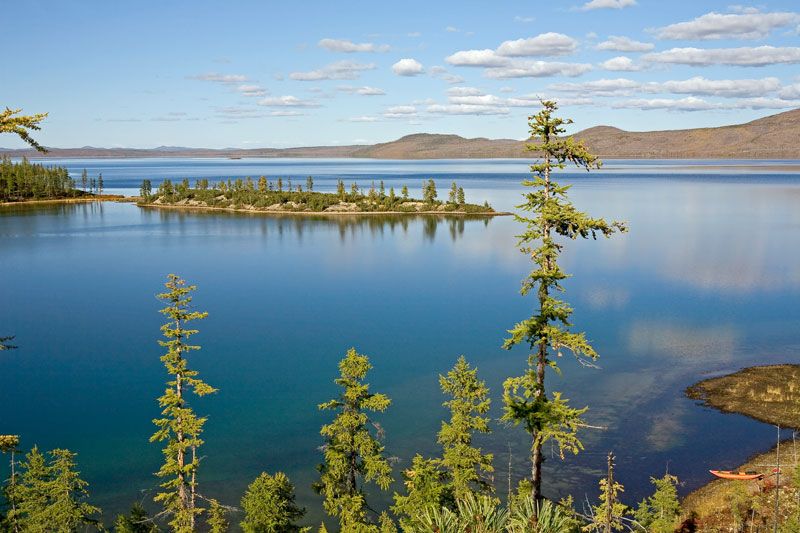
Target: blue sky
254	74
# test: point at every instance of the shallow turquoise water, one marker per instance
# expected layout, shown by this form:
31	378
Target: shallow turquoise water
707	281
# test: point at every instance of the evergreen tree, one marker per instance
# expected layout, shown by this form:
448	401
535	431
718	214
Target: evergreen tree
289	184
660	512
280	184
353	455
136	521
340	189
608	515
262	184
547	332
217	518
460	196
84	179
100	183
179	426
9	444
404	192
451	198
310	184
426	487
354	189
429	193
146	190
465	464
93	185
22	125
392	197
382	190
50	495
269	506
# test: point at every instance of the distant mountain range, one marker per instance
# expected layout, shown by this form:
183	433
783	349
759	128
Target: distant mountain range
772	137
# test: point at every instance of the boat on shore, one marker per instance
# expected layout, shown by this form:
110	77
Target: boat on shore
742	476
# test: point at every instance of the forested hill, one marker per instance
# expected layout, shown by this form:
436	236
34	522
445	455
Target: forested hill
772	137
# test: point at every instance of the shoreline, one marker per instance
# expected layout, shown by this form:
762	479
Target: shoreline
105	198
325	213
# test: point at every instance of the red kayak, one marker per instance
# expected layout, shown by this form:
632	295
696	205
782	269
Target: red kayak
727	474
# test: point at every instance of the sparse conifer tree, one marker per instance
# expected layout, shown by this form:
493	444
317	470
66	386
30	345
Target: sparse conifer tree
461	198
353	455
280	184
262	184
217	518
429	193
382	190
180	428
608	515
547	333
354	189
310	184
136	521
146	190
469	402
451	198
340	189
22	125
84	179
660	512
404	192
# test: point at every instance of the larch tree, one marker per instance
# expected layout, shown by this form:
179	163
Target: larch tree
269	506
353	455
547	333
179	427
461	197
84	179
217	518
660	512
310	184
50	495
466	464
262	184
9	445
404	192
136	521
340	189
609	515
100	183
22	125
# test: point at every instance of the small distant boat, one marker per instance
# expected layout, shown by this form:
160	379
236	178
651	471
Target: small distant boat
727	474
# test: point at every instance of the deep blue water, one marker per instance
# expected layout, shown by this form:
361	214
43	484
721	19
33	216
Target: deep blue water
706	281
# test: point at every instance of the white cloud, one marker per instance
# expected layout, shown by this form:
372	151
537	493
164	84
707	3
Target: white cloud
400	111
464	91
728	26
452	29
745	56
362	91
286	114
537	69
507	89
287	101
442	74
345	46
408	67
363	118
220	78
689	103
525	20
620	63
790	92
545	44
340	70
725	88
761	102
477	58
624	44
252	90
607	4
604	87
466	109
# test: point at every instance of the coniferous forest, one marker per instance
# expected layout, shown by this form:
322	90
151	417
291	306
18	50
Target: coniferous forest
453	491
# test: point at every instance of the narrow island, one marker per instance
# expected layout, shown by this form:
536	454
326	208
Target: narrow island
281	196
770	394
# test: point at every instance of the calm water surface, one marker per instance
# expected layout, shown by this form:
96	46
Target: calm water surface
707	281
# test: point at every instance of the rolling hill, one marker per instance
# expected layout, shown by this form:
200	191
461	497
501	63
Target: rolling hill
772	137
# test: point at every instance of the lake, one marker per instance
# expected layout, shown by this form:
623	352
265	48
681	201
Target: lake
706	281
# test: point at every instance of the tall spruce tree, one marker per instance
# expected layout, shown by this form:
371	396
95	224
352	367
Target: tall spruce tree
466	465
136	521
660	512
547	332
179	427
353	455
269	506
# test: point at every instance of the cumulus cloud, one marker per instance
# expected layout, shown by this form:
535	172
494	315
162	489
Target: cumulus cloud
442	74
728	26
624	44
690	103
408	67
604	87
466	109
348	47
287	101
545	44
790	92
464	91
477	58
400	111
219	78
607	4
251	90
757	56
362	91
725	88
620	63
363	118
340	70
537	69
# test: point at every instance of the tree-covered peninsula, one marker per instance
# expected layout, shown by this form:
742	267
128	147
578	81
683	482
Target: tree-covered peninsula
281	196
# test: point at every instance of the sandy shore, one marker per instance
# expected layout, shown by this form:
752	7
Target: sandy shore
103	198
323	213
